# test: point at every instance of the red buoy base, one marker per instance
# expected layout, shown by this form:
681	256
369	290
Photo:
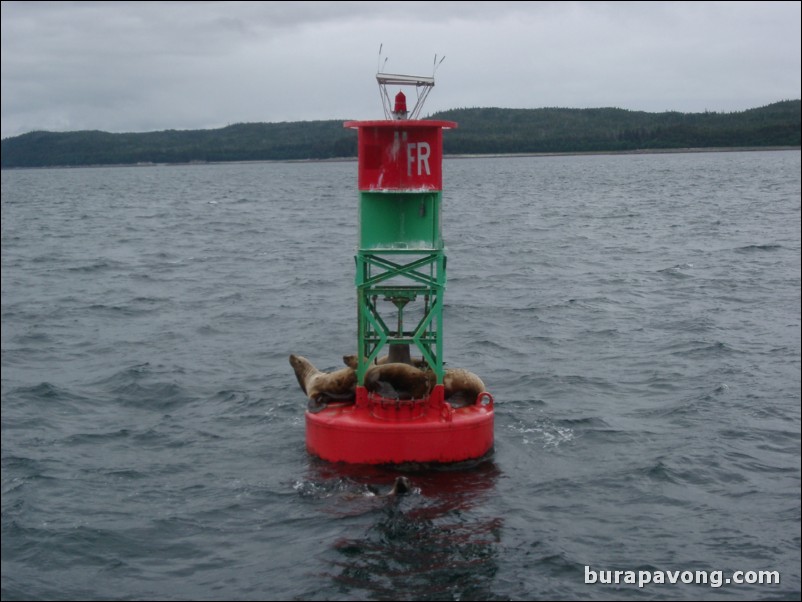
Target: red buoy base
377	430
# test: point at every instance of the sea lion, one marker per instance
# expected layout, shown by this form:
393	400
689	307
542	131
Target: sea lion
401	486
399	381
399	354
323	387
394	357
350	361
461	388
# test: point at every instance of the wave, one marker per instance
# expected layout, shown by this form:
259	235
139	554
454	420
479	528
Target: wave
758	248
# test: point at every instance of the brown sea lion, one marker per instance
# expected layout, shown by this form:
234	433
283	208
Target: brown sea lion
323	387
398	354
399	381
350	361
418	362
461	388
401	486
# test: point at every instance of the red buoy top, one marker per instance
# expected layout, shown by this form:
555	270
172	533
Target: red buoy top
404	154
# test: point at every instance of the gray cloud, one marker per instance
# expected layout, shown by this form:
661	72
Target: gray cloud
140	66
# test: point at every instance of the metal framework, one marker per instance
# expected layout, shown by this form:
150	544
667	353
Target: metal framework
423	85
421	275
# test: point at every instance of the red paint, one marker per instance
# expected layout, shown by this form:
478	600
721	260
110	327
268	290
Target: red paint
375	430
401	155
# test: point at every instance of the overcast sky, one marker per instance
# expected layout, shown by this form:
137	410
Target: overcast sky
143	66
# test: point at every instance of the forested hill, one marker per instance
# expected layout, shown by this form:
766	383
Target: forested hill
481	131
589	130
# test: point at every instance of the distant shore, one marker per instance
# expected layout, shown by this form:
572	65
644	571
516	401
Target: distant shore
651	151
483	132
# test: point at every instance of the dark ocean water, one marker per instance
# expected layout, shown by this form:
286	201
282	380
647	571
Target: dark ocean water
637	319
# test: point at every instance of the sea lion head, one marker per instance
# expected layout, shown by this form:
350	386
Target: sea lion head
401	486
303	368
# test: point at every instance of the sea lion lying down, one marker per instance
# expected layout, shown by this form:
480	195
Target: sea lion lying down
399	381
393	380
461	388
323	387
418	362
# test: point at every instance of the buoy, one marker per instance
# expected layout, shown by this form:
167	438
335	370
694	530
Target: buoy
400	267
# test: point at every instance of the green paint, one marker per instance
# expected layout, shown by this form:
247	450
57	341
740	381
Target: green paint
400	220
400	266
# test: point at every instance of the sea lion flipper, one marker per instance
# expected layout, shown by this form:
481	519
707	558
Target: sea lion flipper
316	405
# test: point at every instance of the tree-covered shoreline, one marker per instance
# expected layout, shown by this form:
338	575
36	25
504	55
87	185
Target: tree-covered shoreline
481	131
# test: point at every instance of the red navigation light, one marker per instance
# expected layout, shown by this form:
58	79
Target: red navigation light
400	103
